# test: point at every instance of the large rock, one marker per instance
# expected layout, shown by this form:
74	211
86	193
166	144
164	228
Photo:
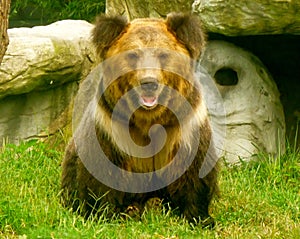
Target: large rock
37	114
254	116
39	77
253	17
228	17
146	8
45	57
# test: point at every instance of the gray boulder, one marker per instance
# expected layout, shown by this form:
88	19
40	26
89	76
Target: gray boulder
253	17
228	17
39	77
146	8
254	119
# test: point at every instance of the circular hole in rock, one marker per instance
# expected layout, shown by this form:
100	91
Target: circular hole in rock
226	76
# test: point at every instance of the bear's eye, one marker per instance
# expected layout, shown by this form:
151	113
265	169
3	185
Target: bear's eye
132	56
163	57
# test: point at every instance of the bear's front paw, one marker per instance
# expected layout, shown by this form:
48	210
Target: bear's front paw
132	211
153	204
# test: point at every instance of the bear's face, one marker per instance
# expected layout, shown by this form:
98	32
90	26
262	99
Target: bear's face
145	59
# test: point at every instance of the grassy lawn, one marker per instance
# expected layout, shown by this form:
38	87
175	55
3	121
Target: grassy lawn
258	200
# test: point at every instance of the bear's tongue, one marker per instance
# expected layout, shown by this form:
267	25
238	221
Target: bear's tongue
149	101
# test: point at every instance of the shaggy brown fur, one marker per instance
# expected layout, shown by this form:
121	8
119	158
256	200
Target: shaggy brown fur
176	42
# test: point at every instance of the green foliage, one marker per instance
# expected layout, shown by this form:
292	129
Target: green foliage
53	10
258	200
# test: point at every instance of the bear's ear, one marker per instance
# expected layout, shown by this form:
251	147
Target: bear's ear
188	29
106	30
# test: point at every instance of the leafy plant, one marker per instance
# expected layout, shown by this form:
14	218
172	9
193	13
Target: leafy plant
53	10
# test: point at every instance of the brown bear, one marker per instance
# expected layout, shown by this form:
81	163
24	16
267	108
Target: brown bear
148	74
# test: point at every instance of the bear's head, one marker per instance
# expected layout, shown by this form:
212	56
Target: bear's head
144	60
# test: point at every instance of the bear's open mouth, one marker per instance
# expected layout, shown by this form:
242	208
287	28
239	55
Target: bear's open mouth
148	101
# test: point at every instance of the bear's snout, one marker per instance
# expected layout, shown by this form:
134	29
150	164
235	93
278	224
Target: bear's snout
149	84
149	92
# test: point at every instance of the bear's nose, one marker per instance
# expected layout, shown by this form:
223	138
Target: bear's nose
149	84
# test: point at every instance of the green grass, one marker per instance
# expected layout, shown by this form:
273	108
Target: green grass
258	200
